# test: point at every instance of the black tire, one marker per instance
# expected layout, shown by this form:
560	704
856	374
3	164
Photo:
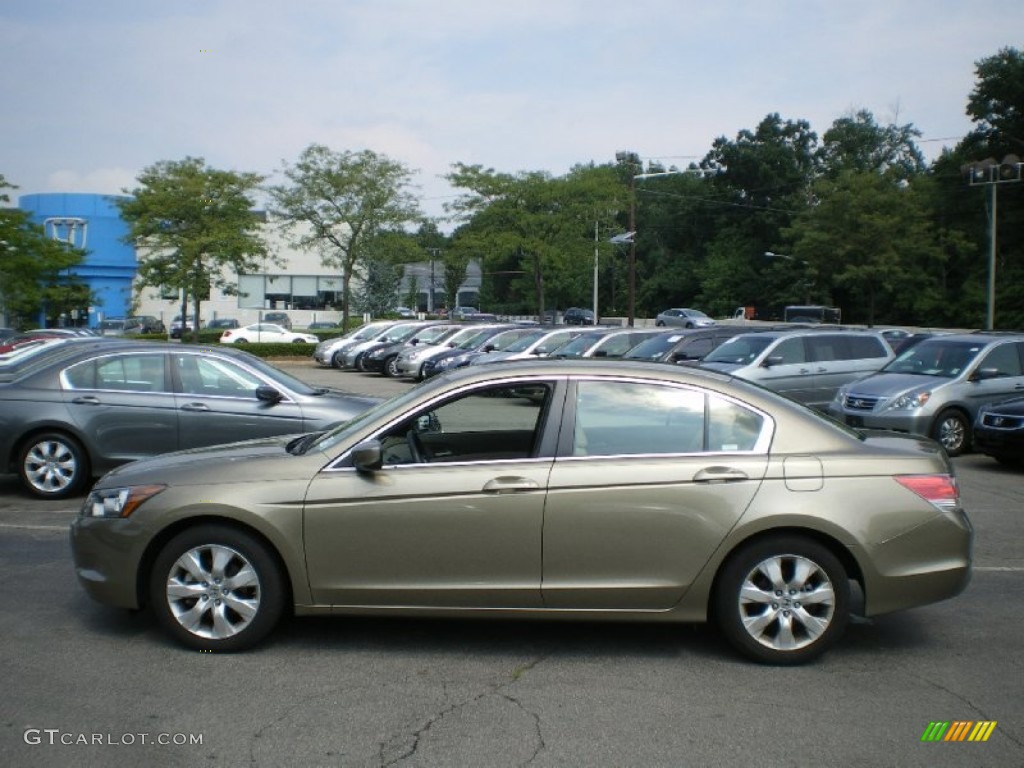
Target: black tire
810	594
299	341
660	323
217	615
53	465
241	341
391	367
338	360
953	430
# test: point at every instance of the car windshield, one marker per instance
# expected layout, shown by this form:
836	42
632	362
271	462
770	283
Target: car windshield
435	334
576	347
523	343
653	348
285	379
326	441
554	341
468	338
942	358
740	350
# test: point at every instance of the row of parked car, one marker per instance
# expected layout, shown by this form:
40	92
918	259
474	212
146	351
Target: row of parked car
951	387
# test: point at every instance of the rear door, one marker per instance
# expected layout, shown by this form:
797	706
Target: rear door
649	479
125	403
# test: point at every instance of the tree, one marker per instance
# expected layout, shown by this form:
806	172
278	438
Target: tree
858	143
194	227
35	276
338	202
534	233
870	238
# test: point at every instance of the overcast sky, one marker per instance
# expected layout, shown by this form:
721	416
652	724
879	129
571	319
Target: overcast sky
93	92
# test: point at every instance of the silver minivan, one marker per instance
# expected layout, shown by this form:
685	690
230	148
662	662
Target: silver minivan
936	387
809	366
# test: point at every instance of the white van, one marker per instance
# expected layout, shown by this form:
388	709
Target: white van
809	366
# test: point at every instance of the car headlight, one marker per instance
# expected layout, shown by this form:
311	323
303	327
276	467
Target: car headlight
118	502
909	401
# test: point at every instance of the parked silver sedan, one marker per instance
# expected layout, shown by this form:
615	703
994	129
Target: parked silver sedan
574	490
82	409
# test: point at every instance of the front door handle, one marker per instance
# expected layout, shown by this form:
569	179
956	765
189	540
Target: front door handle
195	407
86	400
720	475
510	485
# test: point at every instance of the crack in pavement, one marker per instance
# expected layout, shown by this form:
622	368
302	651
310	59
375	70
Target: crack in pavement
412	741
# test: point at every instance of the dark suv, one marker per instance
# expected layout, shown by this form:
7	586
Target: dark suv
578	316
144	324
278	318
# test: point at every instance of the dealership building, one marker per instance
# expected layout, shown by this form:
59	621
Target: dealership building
293	280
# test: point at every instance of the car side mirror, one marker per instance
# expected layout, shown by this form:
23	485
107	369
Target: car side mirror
368	456
985	373
268	394
489	348
772	360
601	353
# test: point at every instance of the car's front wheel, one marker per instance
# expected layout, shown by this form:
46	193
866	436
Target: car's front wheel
952	430
783	600
391	367
53	465
215	588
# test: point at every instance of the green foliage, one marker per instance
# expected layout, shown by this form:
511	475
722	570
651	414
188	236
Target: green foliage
193	227
534	233
35	272
339	203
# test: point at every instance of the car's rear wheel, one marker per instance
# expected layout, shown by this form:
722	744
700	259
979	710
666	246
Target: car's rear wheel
241	341
215	588
53	465
783	600
952	430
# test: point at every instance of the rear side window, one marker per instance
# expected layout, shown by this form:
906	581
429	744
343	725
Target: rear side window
862	347
827	348
624	418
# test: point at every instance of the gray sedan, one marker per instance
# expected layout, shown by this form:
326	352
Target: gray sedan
83	409
565	489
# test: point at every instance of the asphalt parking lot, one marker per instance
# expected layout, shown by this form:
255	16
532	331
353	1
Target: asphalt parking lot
88	685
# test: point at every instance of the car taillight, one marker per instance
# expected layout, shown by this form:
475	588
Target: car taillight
227	333
940	490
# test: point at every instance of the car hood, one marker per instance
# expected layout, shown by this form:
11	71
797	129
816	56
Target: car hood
344	403
266	459
893	384
726	367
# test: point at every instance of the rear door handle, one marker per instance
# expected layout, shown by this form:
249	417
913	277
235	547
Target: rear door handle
720	475
195	407
86	400
510	485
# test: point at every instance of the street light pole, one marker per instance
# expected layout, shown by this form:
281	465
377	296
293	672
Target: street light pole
991	174
806	265
596	316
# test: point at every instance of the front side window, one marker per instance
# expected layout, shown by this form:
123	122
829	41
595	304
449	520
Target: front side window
789	351
214	377
496	423
1004	360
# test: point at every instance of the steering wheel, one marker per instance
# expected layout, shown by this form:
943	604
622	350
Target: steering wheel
419	453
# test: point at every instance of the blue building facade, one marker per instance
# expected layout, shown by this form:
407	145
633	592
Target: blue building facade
94	223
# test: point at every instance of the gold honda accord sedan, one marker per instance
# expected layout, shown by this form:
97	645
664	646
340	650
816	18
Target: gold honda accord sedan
579	490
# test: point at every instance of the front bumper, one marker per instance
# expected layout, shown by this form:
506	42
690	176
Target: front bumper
107	553
915	422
